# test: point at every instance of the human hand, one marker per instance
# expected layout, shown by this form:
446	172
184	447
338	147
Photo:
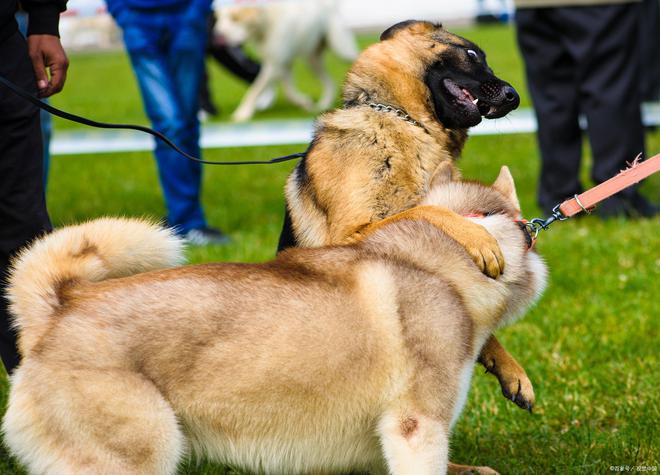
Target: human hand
47	55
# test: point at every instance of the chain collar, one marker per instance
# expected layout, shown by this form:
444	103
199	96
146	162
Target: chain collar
401	114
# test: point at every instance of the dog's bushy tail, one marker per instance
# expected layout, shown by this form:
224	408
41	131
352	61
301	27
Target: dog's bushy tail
340	38
97	250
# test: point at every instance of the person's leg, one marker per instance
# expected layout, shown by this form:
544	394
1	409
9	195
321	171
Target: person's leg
23	211
552	84
46	134
206	103
180	178
185	61
46	122
650	49
607	45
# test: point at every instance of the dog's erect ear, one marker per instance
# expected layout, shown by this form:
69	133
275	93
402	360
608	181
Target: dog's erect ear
505	185
445	173
415	25
391	31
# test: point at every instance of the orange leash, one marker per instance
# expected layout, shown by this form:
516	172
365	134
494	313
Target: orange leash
587	201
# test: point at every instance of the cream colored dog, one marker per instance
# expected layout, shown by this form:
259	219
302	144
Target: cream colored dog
283	31
355	357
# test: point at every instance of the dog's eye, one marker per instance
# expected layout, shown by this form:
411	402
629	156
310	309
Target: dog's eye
472	54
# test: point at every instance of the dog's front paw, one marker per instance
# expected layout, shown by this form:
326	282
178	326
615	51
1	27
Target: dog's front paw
484	250
241	115
515	384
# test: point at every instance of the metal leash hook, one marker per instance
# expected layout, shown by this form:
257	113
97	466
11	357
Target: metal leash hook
537	224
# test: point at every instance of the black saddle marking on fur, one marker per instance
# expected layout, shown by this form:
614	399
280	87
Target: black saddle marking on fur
287	238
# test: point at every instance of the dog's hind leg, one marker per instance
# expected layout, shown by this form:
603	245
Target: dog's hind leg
90	421
264	81
414	444
293	94
329	88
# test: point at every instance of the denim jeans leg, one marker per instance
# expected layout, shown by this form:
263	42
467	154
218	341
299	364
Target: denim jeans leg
186	61
179	177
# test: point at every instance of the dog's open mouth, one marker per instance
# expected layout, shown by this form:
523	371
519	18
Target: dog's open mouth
467	100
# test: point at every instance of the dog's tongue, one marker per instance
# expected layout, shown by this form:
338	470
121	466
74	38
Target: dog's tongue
461	94
453	88
469	96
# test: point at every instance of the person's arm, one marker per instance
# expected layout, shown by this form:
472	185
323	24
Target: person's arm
44	45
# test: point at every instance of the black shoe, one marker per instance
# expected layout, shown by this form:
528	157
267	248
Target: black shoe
206	236
642	207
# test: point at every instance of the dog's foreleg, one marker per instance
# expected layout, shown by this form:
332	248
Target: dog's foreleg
293	94
513	379
329	89
481	246
414	444
267	76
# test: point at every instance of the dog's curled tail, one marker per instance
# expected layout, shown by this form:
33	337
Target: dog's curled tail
90	252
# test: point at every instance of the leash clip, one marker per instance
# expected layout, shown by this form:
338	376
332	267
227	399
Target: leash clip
537	224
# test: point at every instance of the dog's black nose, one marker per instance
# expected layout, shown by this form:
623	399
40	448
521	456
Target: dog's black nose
510	94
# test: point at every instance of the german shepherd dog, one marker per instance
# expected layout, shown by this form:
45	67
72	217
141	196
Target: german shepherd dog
408	102
325	360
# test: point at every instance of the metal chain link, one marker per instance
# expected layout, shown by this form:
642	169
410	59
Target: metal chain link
401	114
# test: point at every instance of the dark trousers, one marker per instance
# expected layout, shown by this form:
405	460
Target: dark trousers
23	214
582	60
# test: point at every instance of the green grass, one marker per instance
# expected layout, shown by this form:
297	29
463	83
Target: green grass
590	346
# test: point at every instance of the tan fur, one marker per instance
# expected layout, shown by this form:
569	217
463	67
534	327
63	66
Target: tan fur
382	164
95	251
364	166
324	360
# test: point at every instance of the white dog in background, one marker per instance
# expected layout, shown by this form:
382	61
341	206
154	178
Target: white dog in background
283	31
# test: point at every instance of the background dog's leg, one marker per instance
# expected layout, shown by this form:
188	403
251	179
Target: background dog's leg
329	89
414	444
267	98
84	421
515	384
262	83
293	94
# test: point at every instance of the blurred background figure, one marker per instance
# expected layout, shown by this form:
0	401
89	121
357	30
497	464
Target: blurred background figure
487	14
282	32
166	42
46	121
232	58
650	50
583	56
37	65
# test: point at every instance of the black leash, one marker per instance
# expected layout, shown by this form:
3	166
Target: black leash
104	125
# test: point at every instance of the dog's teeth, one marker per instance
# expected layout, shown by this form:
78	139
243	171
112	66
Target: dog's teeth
475	101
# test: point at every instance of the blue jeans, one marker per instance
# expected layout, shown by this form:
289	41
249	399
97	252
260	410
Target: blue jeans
167	54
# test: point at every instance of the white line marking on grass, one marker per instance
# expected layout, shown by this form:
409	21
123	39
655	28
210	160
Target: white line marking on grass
266	133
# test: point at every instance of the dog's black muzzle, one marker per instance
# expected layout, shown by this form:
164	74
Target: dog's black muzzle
497	99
